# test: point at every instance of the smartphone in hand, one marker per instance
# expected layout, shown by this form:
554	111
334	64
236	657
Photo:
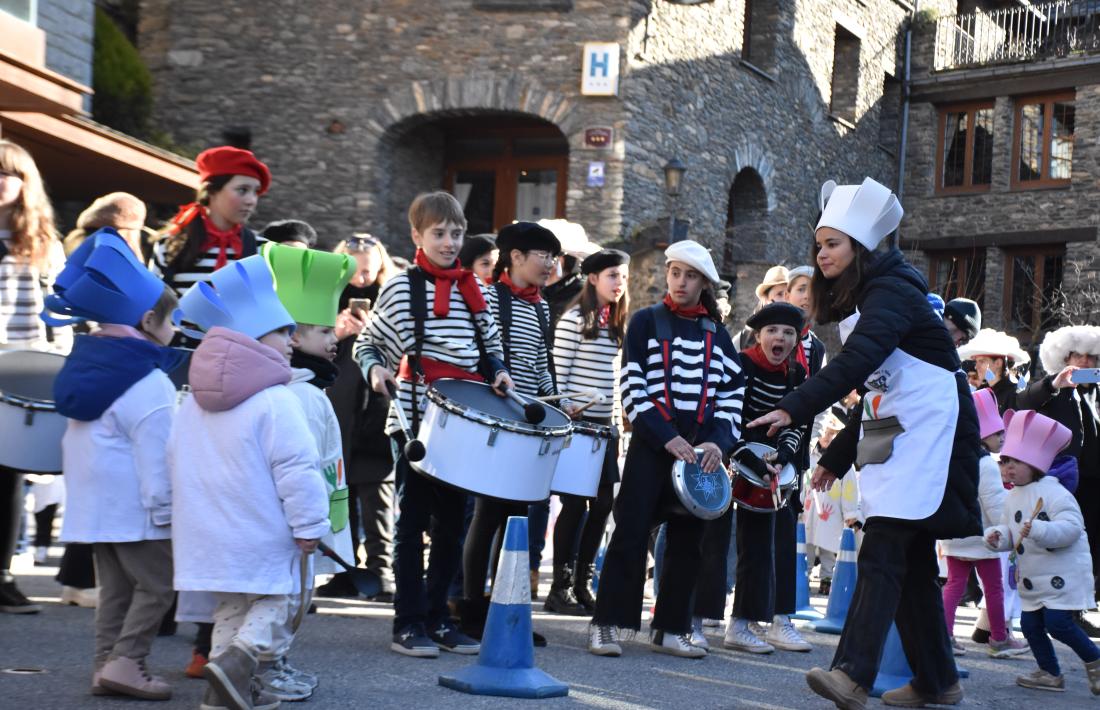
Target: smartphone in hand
1085	375
360	307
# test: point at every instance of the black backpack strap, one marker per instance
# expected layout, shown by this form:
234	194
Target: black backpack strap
418	306
504	304
543	309
248	242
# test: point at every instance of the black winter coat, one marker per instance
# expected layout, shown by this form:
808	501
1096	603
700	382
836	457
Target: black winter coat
895	314
1064	408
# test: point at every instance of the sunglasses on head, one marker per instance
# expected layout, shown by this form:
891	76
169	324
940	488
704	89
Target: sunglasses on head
360	242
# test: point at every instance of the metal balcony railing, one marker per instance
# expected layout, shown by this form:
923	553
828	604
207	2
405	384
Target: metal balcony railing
1031	32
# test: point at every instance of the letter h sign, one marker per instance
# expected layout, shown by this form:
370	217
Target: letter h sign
600	69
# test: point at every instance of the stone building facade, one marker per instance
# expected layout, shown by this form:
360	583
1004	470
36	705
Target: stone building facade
1002	176
357	106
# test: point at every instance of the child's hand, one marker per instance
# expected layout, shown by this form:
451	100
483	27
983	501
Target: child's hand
993	538
306	546
1025	529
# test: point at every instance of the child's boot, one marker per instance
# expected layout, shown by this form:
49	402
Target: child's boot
1093	672
128	676
230	675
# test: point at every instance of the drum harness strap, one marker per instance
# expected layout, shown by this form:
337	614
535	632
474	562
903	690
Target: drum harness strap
504	302
662	319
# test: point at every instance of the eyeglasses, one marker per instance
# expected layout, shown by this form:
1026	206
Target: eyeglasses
546	256
360	242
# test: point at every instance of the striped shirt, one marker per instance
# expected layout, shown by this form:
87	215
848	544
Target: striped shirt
23	288
643	381
763	390
583	364
391	333
526	355
200	270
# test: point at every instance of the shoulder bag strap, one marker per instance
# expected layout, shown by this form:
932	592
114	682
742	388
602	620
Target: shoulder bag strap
504	303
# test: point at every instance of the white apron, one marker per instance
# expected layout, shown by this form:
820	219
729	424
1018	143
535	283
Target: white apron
909	484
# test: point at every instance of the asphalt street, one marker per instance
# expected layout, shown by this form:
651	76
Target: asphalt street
347	644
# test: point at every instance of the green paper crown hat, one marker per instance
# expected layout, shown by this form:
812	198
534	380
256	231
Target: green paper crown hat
309	282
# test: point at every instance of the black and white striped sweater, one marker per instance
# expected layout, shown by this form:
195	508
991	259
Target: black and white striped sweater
390	334
526	351
763	390
584	364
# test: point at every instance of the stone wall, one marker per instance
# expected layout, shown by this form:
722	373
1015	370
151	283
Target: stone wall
70	30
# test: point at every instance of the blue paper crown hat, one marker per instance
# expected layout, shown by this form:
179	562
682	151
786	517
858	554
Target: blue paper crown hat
240	296
102	281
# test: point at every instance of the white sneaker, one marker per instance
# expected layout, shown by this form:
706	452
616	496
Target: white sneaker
698	639
784	635
283	686
86	598
676	645
41	555
604	641
299	675
711	623
758	630
740	638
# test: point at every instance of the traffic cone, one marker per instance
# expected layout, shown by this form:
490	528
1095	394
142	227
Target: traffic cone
803	609
506	665
894	671
844	585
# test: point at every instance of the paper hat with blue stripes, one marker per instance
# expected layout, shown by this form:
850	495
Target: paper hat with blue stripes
240	296
102	281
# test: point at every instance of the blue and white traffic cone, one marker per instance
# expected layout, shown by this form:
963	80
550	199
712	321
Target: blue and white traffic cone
894	671
844	586
803	609
506	665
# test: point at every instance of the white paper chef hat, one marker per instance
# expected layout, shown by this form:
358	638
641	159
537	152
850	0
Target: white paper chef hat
866	213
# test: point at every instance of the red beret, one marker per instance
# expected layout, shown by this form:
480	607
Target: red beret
232	161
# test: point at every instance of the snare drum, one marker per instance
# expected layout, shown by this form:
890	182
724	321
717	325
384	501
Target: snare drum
580	466
479	442
704	495
30	427
752	493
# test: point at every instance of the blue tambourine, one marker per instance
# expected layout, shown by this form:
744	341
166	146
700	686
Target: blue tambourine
705	495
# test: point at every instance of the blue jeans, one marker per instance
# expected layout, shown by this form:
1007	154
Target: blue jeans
1059	624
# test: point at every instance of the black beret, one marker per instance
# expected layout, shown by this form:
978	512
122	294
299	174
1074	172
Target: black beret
475	247
776	314
965	314
526	236
290	230
604	259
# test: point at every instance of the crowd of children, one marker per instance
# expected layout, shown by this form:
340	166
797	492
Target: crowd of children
223	474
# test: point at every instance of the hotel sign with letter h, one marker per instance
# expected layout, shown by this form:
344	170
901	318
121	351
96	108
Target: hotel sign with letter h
600	69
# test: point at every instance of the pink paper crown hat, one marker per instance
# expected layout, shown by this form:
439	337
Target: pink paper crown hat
1034	439
989	417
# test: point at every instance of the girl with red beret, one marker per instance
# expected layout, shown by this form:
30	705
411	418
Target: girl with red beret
209	232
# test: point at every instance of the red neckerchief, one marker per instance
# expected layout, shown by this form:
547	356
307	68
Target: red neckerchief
691	312
756	354
444	278
222	240
800	351
528	293
604	316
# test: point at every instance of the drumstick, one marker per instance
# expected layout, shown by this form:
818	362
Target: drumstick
569	395
585	406
1038	507
414	449
533	412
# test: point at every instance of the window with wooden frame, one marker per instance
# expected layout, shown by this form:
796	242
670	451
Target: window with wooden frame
964	148
1033	288
958	274
1042	143
759	39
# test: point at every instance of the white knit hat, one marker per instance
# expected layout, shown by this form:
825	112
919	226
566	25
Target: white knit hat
694	255
1058	344
866	213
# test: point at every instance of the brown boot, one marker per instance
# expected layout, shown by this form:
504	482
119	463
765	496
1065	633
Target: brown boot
230	675
835	685
128	676
1092	671
909	697
534	584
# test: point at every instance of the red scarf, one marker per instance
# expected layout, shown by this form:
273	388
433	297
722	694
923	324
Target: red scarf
800	351
444	278
756	354
528	293
221	240
604	316
690	312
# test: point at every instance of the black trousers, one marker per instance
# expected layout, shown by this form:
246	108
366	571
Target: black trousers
1088	497
580	527
897	582
766	551
426	506
490	515
372	508
710	590
77	566
43	526
645	499
11	516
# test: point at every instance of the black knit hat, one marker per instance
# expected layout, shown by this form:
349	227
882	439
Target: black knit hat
290	230
475	247
526	236
776	314
965	315
604	259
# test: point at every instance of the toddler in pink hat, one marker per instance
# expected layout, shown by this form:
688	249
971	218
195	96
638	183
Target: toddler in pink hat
1042	523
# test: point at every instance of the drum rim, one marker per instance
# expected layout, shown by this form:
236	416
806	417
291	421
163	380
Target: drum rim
600	431
22	401
455	487
444	402
692	505
759	448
